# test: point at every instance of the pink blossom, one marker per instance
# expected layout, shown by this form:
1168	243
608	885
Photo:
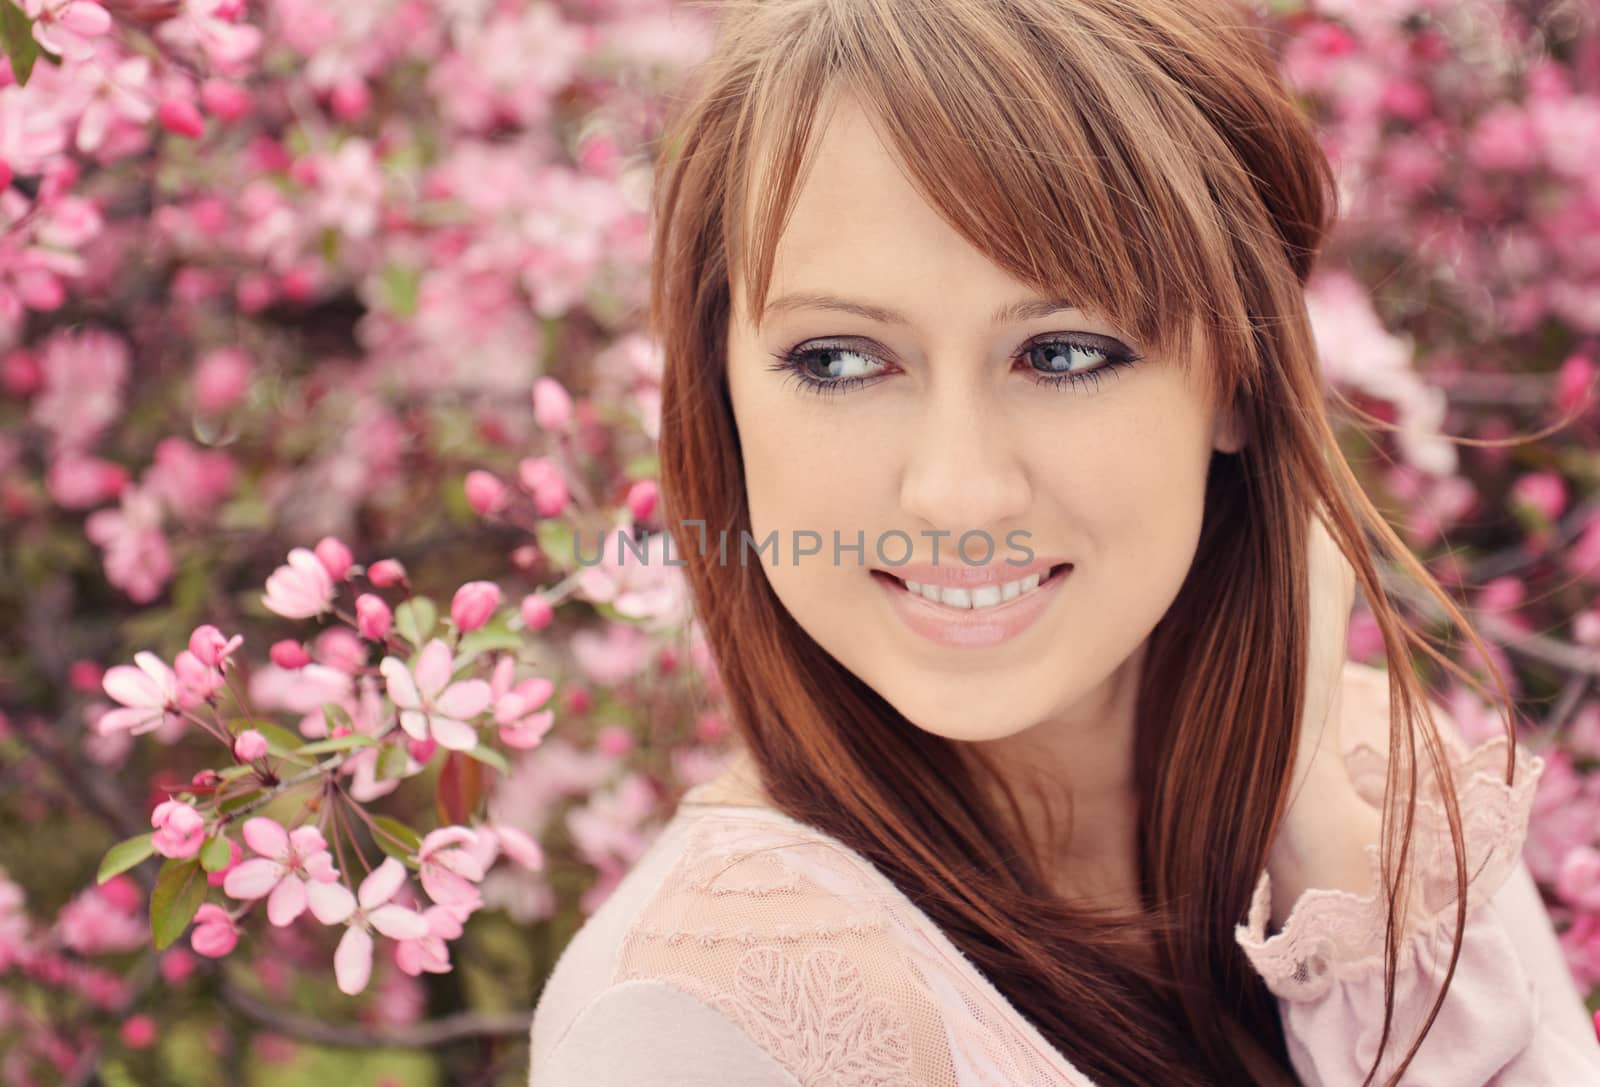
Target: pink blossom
334	556
190	481
224	100
430	953
536	611
137	558
64	26
106	919
1579	880
431	707
514	708
289	654
302	589
177	966
211	647
1583	557
543	479
373	617
1575	384
450	868
300	690
76	481
485	493
608	829
197	681
386	572
614	653
552	405
294	869
180	830
366	910
636	579
641	500
148	694
473	604
1545	493
85	373
221	379
211	28
1504	139
517	845
180	117
249	745
138	1032
616	741
215	933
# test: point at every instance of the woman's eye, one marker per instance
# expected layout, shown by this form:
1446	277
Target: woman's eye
1060	357
1074	361
827	369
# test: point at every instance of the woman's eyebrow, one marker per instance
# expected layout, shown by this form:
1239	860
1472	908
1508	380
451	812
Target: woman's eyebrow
1026	310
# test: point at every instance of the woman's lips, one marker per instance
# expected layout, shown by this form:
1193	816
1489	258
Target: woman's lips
971	627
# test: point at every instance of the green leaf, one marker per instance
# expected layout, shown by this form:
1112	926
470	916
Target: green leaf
643	466
414	620
489	757
17	42
215	854
336	716
556	541
234	803
401	284
489	638
180	890
346	742
402	850
124	855
392	762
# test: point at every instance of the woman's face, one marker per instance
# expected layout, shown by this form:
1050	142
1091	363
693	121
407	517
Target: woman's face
962	424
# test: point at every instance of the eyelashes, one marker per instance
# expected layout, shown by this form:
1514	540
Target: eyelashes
1057	353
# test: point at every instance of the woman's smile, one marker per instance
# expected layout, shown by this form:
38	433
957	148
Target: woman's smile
983	615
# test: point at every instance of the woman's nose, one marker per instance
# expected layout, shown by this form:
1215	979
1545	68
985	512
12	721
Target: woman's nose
962	470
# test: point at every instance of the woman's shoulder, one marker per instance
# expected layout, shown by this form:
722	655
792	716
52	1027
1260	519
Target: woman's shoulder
791	937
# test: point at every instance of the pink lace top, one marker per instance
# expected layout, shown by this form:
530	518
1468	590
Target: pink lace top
748	948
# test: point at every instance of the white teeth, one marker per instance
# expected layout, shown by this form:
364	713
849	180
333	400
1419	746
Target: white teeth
986	596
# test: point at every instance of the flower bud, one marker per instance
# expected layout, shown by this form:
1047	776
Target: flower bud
335	557
249	745
180	830
473	604
209	645
485	493
536	611
289	654
552	405
223	100
373	617
180	118
642	497
214	932
386	572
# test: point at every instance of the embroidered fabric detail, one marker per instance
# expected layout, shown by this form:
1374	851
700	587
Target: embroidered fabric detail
824	964
1334	935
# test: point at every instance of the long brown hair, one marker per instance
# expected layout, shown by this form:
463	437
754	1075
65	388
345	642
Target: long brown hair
1147	157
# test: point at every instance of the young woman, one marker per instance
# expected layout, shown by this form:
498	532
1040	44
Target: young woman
994	442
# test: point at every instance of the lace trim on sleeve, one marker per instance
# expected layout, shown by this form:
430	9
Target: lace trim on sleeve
1334	935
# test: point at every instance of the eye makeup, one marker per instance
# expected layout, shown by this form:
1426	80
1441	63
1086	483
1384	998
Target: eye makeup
1051	357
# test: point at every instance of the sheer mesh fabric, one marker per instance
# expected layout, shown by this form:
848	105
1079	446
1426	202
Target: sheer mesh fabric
825	964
